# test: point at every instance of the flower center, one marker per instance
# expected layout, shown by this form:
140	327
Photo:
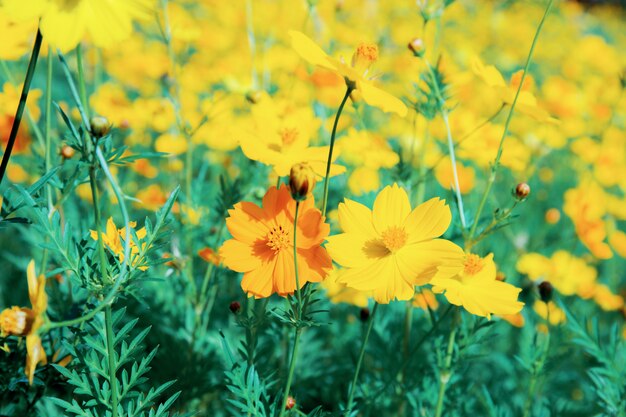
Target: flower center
394	238
278	238
364	56
288	135
473	264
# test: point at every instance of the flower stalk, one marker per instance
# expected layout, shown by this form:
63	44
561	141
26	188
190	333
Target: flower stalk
360	361
21	105
332	145
496	163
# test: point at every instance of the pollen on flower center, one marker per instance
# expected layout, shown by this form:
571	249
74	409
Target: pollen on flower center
288	135
278	238
365	55
473	264
394	238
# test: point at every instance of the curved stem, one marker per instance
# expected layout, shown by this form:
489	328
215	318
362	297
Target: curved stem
537	367
21	105
446	372
360	361
296	342
82	85
496	163
330	149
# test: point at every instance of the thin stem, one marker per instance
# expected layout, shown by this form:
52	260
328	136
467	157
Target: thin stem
296	342
108	320
444	115
445	374
295	260
496	164
82	85
21	105
330	149
48	124
360	361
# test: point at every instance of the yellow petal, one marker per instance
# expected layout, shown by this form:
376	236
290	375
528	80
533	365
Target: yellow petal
428	220
391	208
376	97
309	50
33	288
356	218
347	249
418	262
239	256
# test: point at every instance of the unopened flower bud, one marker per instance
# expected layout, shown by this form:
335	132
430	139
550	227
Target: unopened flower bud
301	181
364	314
67	152
16	321
521	191
235	307
545	291
500	276
417	47
100	126
291	403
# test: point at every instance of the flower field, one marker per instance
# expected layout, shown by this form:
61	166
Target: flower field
313	208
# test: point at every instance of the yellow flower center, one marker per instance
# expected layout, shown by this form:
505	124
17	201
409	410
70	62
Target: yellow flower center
473	264
278	238
394	238
364	56
288	135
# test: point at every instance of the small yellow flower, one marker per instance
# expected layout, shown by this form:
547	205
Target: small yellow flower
113	239
472	283
357	75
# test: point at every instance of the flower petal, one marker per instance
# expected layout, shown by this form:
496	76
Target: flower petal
239	256
428	220
376	97
419	262
391	208
356	218
309	50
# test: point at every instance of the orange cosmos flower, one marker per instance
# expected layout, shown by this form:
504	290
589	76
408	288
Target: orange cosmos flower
262	244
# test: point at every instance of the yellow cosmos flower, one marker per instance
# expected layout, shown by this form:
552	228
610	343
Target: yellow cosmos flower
390	249
472	283
567	273
280	135
113	239
526	102
356	74
65	23
18	321
556	315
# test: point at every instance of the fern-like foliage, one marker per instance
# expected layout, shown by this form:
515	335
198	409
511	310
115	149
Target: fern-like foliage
91	379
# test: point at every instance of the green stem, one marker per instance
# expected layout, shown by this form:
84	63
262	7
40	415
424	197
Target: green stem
330	149
296	342
21	105
444	115
292	367
295	260
360	361
446	372
48	123
108	319
496	164
82	85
